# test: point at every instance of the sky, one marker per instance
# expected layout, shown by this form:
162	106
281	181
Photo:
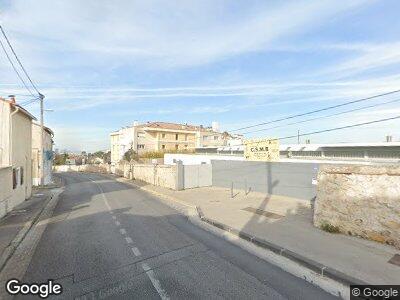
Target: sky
104	64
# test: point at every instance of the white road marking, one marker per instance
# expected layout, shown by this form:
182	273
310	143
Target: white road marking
117	223
128	240
102	194
136	251
114	217
155	281
122	230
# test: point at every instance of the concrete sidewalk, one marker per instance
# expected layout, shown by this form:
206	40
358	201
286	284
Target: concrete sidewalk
287	222
15	225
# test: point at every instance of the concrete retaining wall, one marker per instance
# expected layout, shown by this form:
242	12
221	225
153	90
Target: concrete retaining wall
360	200
197	176
277	178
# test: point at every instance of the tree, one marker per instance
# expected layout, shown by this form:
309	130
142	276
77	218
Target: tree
130	155
60	159
107	157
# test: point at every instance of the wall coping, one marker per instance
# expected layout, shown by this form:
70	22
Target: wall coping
393	170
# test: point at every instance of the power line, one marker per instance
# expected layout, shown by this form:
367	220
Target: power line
28	102
318	110
326	116
15	69
340	128
15	54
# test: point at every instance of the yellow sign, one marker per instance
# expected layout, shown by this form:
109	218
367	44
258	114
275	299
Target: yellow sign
262	149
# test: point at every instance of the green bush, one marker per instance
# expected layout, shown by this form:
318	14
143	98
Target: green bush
330	228
160	154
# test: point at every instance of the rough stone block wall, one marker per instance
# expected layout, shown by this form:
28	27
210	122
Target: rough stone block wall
166	176
360	200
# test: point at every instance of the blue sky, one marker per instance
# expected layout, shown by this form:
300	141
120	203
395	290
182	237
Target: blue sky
104	64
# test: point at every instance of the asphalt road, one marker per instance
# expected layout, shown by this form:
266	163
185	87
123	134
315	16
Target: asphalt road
108	239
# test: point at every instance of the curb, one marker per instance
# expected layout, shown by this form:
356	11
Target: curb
9	251
310	264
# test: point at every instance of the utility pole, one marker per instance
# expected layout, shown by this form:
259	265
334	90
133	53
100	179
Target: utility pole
298	136
41	141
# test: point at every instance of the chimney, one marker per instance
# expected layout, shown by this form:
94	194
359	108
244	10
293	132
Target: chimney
12	99
389	138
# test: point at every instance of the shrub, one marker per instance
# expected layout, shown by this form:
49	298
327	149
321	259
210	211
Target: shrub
329	228
160	154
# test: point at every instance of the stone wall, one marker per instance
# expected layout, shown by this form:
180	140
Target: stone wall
161	175
360	200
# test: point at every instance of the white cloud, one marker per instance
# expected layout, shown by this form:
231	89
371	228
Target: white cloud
158	33
367	57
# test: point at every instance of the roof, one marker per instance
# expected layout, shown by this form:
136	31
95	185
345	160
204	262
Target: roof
171	126
20	109
311	147
45	128
317	147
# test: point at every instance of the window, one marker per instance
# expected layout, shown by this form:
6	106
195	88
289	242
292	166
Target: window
22	176
140	146
163	136
14	177
205	138
186	137
177	147
163	147
176	136
215	137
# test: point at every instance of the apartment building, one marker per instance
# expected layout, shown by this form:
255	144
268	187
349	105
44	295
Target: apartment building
163	136
15	154
36	154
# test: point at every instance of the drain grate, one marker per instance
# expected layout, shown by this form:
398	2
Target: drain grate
395	260
264	213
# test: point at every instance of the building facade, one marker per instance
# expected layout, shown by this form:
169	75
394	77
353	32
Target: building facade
163	136
15	155
36	154
385	152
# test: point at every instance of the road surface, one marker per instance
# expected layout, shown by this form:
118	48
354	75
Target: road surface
111	240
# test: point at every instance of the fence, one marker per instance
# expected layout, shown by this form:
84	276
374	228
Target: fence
279	178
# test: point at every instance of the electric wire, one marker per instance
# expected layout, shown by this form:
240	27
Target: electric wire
340	128
317	110
19	61
15	69
325	116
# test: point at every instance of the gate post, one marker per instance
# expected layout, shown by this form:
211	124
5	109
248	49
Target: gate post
179	176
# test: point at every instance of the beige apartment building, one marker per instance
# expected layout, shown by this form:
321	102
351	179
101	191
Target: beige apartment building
36	154
15	155
163	136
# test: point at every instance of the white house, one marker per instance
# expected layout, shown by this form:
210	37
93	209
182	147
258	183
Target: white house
15	155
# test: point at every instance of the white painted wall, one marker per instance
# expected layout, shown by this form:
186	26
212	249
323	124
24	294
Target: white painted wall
6	190
197	159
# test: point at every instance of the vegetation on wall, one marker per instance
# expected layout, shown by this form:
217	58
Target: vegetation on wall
160	154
